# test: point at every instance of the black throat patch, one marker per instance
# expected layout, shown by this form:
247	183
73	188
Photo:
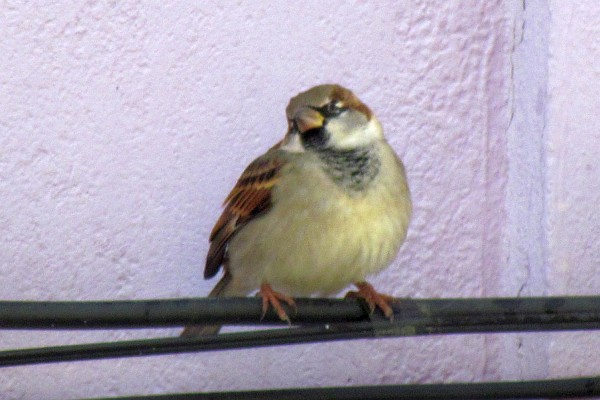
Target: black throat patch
353	169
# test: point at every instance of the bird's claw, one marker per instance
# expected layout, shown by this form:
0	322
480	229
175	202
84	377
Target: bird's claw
273	298
373	298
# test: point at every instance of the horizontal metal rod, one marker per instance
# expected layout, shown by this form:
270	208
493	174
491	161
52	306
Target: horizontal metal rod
414	317
572	312
555	388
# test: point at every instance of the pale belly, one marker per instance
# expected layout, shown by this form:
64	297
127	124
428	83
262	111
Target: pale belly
309	243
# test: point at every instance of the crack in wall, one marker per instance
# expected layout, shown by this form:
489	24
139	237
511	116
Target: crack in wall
524	274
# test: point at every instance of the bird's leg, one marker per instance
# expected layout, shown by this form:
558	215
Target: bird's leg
271	297
374	299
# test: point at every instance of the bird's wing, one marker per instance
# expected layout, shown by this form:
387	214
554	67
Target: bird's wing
250	197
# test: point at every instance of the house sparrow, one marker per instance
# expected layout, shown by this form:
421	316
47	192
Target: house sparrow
323	208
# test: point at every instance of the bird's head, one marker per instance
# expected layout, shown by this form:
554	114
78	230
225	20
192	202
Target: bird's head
330	117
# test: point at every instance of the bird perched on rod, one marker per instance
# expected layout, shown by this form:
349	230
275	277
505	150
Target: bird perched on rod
323	208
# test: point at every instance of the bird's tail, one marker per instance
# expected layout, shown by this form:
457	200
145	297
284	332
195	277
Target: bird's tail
222	289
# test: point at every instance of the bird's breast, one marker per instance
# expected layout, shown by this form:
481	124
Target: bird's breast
318	238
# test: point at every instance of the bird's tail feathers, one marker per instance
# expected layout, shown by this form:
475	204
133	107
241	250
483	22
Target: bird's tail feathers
222	289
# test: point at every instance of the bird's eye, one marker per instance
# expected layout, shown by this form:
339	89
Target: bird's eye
334	108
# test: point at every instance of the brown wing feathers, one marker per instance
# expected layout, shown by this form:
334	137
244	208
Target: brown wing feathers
250	196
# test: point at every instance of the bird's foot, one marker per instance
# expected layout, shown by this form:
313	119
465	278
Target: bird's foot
374	299
271	297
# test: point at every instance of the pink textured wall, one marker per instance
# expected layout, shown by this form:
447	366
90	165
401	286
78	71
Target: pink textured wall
573	174
124	125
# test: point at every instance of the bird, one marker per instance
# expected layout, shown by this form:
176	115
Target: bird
322	209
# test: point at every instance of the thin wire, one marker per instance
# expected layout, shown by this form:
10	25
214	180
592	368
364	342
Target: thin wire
556	388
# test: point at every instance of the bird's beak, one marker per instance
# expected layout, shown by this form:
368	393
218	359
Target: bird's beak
307	118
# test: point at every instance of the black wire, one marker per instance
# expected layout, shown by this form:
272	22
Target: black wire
163	313
413	317
556	388
144	347
575	311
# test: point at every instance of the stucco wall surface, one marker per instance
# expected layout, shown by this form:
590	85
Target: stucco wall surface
124	124
573	174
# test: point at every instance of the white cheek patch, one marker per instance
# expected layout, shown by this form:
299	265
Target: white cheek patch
348	137
293	144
